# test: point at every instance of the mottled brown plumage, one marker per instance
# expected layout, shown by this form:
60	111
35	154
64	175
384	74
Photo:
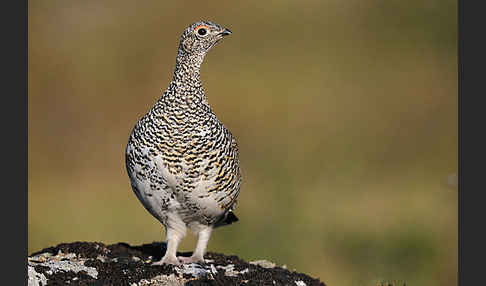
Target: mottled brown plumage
182	161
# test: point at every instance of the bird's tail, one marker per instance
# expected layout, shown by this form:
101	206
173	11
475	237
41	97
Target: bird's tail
229	218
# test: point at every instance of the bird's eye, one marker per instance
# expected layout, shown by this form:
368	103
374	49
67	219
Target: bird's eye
202	31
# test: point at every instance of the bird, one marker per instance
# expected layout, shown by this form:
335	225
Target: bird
182	161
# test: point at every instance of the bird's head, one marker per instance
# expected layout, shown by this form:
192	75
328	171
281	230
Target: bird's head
200	37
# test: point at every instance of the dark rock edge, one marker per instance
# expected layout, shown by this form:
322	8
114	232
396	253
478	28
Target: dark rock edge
126	270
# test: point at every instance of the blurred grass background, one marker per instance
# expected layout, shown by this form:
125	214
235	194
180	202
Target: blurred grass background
345	113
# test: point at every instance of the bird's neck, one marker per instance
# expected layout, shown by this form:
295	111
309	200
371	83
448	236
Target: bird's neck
186	89
187	69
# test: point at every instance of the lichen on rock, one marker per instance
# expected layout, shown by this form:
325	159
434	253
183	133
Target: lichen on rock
93	263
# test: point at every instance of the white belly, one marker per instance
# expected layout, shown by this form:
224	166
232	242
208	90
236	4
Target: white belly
163	194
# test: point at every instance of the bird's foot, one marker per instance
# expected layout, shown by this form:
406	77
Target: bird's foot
168	260
192	259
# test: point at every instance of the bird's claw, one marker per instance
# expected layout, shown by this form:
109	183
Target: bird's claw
191	259
168	260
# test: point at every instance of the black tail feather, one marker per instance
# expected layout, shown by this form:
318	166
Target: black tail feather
231	218
228	219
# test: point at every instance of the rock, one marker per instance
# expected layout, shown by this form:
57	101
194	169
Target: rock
264	263
93	263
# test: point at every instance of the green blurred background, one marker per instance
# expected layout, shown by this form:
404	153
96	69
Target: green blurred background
345	113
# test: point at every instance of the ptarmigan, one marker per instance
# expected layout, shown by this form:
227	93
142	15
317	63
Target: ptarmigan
182	161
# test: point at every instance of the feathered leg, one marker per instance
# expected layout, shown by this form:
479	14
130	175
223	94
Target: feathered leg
175	231
203	235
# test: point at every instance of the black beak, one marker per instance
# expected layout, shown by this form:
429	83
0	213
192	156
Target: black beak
225	32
